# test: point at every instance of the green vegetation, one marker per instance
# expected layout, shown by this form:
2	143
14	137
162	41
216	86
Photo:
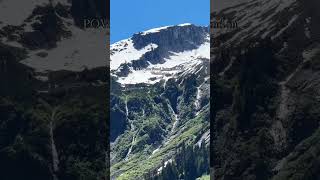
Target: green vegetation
152	128
204	177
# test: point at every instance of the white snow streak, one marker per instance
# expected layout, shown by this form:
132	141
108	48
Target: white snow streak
124	52
155	30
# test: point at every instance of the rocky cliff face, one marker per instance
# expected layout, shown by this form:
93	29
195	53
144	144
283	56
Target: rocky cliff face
266	119
161	52
171	39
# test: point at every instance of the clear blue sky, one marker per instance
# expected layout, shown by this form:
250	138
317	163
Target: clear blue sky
130	16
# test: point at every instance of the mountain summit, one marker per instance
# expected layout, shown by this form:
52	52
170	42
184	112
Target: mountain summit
160	53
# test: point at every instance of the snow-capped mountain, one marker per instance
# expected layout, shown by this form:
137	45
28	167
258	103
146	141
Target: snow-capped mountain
159	54
51	33
159	100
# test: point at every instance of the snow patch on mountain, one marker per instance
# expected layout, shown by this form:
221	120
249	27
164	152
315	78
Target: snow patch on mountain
173	65
185	24
156	30
88	46
124	52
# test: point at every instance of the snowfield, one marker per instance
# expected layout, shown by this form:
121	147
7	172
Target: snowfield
83	49
124	52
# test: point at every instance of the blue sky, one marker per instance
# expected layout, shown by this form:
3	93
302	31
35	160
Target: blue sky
131	16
